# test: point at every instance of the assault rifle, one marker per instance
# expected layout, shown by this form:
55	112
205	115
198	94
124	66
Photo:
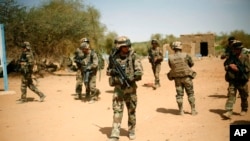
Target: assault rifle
22	58
242	72
118	69
78	59
86	73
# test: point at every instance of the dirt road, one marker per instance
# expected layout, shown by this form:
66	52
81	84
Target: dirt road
62	118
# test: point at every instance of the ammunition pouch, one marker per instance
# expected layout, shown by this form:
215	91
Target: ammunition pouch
114	81
170	77
137	77
192	74
231	76
158	61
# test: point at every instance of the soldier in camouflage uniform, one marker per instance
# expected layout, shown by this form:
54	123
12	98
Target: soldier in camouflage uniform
237	68
128	60
228	49
181	72
89	67
79	79
26	62
155	57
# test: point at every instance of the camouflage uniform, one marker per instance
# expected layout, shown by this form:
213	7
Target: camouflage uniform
181	72
237	78
90	63
228	50
132	67
27	61
155	57
79	80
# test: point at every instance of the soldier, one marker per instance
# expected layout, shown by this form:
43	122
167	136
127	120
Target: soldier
79	79
181	72
89	69
237	68
125	69
155	58
228	50
26	62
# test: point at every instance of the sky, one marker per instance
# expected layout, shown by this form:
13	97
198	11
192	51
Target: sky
139	19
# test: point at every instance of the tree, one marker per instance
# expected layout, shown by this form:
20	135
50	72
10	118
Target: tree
12	16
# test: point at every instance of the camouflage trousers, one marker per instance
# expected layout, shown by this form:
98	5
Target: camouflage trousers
129	97
79	82
232	91
156	70
91	91
181	84
26	81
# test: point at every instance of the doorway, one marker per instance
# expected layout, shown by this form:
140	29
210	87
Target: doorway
204	48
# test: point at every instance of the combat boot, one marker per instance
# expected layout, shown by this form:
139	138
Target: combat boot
243	113
193	111
132	136
113	139
42	98
180	106
98	92
22	100
157	83
78	96
228	114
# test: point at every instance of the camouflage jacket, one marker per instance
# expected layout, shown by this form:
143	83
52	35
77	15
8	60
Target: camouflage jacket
243	65
26	61
90	61
155	55
131	65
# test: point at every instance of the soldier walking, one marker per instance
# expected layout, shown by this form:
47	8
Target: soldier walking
155	57
89	67
124	70
237	68
182	74
79	79
26	62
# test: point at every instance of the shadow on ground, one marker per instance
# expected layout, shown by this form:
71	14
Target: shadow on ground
107	131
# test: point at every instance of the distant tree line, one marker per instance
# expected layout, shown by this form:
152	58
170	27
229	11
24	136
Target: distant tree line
55	27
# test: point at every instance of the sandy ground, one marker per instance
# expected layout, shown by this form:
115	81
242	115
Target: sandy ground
62	118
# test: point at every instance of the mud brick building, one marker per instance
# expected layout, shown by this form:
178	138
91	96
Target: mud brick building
198	44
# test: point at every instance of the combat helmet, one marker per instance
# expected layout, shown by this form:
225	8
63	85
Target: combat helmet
154	41
84	45
84	40
176	45
26	45
231	39
237	44
122	41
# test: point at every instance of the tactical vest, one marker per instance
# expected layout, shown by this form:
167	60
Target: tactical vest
180	68
27	62
127	64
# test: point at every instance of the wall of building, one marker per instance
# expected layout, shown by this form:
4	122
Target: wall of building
192	44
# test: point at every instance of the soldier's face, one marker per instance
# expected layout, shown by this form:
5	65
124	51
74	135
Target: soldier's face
85	50
237	51
125	49
24	49
154	44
